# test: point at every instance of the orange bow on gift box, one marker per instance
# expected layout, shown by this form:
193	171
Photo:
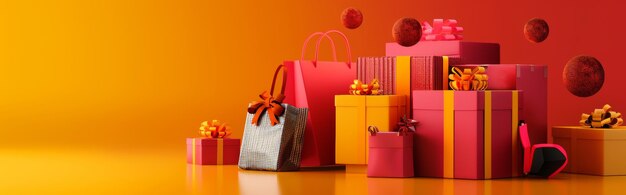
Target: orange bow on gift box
358	88
269	103
602	118
215	129
468	79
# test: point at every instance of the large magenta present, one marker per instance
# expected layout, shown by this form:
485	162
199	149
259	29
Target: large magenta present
213	151
467	52
533	80
391	154
467	134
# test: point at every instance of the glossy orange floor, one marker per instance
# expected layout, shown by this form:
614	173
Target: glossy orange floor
59	171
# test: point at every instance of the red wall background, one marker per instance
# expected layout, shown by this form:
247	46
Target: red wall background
145	73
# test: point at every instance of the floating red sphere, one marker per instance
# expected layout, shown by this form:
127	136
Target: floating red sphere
351	18
583	76
407	31
536	30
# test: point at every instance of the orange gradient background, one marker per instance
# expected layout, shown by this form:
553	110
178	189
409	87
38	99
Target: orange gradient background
134	75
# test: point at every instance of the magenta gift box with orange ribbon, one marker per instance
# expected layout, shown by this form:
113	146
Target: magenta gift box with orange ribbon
533	80
214	148
213	151
467	134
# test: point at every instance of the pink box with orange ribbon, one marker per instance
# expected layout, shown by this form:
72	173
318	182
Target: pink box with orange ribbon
214	148
213	151
467	134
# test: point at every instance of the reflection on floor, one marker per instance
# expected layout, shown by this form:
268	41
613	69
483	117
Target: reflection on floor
165	172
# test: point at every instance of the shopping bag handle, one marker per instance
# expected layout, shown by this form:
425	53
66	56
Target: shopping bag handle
322	35
345	38
282	89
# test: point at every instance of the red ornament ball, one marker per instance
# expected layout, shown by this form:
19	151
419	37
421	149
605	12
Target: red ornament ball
536	30
407	31
351	18
583	76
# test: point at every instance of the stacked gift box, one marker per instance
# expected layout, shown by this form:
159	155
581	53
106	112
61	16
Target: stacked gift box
461	134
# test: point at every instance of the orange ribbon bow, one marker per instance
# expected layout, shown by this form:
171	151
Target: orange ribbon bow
269	103
406	125
468	79
358	88
215	129
602	118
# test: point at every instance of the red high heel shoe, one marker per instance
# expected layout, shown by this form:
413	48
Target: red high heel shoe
544	160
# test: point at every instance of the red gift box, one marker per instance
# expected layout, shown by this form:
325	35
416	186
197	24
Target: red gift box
391	155
213	151
467	134
533	80
468	52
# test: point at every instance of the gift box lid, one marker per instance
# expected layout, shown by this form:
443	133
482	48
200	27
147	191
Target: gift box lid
588	133
349	100
465	100
391	140
213	141
470	52
370	100
385	100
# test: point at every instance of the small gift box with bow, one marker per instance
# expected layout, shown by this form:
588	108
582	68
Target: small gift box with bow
391	153
354	113
597	146
214	148
467	134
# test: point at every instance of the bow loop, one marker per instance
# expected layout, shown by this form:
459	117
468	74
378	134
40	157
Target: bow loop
359	88
271	104
468	79
215	129
442	30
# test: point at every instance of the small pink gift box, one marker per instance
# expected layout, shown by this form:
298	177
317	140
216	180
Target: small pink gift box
213	151
391	155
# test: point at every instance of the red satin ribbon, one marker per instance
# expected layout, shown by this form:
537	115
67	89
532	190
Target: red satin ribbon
269	103
441	30
215	129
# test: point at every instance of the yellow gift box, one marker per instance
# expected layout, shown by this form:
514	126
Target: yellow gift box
354	113
595	151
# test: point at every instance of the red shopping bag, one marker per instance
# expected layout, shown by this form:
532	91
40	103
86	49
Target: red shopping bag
313	84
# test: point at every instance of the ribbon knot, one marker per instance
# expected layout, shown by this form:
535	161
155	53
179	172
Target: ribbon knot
359	88
602	118
406	125
442	30
215	129
269	103
468	79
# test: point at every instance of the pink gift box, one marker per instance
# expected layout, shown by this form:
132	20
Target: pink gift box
533	80
467	134
468	52
209	151
391	155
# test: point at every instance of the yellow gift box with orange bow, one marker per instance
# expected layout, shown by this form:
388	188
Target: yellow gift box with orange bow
596	147
215	148
354	113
